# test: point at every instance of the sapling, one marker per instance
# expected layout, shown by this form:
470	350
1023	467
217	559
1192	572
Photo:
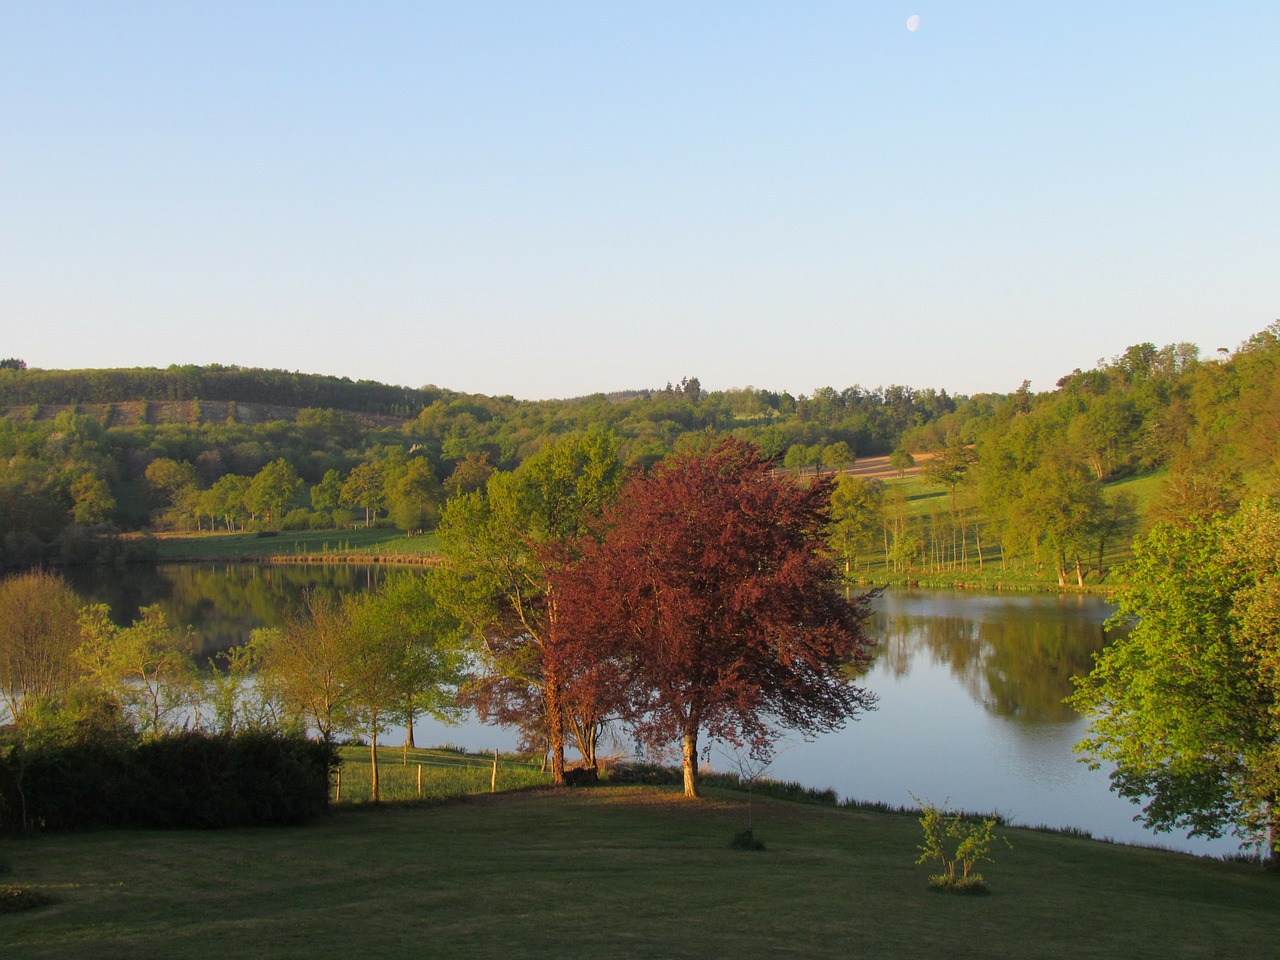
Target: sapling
959	843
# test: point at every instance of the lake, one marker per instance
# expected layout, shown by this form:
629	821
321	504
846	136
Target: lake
970	686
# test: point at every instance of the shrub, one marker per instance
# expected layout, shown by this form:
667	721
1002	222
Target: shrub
190	780
958	843
16	899
746	840
297	519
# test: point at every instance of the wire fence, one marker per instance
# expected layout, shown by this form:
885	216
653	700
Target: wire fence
430	775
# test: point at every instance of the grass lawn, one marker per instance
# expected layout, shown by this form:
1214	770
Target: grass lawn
314	544
434	773
617	872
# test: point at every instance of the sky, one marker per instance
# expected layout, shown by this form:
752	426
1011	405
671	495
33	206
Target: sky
550	199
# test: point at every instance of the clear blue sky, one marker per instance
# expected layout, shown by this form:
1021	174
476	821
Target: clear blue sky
555	198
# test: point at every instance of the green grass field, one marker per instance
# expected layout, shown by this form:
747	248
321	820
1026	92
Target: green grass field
445	773
631	872
317	545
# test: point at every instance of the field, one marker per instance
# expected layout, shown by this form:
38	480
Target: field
436	773
617	872
305	546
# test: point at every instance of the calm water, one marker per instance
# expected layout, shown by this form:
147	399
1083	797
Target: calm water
970	686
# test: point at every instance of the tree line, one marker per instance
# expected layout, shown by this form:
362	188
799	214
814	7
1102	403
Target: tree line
1032	481
694	599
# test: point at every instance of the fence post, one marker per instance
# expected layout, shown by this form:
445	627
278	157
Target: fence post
493	780
419	781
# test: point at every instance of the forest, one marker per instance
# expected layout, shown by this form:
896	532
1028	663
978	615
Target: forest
1053	484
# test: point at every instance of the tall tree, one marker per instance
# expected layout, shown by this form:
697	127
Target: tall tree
857	512
365	487
272	490
501	549
714	594
1185	705
413	495
407	654
305	666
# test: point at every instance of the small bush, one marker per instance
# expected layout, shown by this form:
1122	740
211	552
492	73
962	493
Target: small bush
645	774
974	883
746	840
17	899
958	843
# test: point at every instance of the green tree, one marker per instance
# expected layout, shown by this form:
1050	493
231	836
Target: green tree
857	513
365	488
796	458
272	491
177	484
1185	705
955	841
327	494
304	666
1061	507
837	455
39	634
228	499
413	495
92	500
469	474
146	667
901	461
950	467
404	659
501	548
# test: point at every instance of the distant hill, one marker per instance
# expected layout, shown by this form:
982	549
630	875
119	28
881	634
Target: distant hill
137	413
240	385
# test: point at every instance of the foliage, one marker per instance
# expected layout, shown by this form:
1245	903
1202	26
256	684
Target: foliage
39	632
502	548
713	607
405	656
187	780
1185	705
956	842
77	449
145	667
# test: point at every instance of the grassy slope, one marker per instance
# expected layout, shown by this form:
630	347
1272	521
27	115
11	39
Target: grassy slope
318	545
622	871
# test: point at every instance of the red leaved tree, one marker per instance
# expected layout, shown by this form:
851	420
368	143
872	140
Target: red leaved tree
712	598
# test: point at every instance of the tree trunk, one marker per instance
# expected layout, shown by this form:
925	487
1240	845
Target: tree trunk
555	726
373	768
1272	860
690	760
408	731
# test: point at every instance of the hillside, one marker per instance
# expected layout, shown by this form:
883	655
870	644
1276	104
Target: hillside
187	413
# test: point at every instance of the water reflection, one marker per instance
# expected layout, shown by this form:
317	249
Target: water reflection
222	603
970	686
1014	655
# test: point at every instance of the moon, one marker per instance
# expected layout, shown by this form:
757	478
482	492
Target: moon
913	22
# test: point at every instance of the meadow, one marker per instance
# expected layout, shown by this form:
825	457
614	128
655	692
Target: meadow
372	545
634	871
